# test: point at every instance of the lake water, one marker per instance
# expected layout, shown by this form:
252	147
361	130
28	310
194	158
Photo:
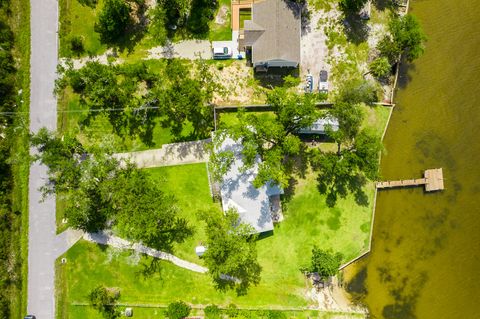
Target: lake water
425	261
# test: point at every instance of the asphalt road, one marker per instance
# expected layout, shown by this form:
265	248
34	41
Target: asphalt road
43	113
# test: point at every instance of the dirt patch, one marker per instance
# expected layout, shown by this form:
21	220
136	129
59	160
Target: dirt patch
239	83
222	14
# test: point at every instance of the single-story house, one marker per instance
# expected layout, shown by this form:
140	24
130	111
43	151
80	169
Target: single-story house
257	207
320	125
273	34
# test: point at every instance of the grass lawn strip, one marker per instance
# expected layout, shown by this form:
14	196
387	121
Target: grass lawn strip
19	21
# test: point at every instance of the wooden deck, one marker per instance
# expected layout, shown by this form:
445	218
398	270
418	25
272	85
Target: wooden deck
433	181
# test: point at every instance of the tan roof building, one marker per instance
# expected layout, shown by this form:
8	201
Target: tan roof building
274	34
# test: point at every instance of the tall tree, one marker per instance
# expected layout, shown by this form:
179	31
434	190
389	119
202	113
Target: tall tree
100	191
116	92
273	136
231	254
103	300
405	37
113	21
325	263
186	97
357	157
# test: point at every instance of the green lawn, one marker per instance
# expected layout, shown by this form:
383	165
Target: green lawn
79	20
189	185
223	31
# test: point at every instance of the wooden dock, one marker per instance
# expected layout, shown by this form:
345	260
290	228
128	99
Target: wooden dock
433	181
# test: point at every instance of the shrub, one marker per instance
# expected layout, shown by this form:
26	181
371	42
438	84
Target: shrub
178	310
232	311
380	67
212	312
76	45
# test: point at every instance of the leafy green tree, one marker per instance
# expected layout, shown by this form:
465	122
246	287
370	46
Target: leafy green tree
272	137
356	91
178	310
98	188
325	263
380	67
103	300
157	26
116	93
405	37
186	98
177	10
346	171
144	213
231	255
7	70
357	157
113	21
351	6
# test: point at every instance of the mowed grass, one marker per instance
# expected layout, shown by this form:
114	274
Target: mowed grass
79	20
189	185
222	32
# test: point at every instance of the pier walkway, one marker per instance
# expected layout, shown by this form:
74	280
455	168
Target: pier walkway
433	181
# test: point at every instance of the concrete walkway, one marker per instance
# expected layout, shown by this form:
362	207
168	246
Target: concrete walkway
117	242
169	155
43	113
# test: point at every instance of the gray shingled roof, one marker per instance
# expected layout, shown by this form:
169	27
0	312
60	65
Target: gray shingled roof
238	192
274	33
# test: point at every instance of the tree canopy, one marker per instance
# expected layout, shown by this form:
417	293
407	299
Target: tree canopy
357	157
272	136
351	6
185	97
405	37
103	300
325	263
113	20
117	93
99	190
231	255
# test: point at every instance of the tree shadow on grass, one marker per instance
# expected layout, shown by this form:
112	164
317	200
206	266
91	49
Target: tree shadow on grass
356	29
149	268
336	186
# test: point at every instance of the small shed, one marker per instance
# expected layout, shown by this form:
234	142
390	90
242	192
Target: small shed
128	312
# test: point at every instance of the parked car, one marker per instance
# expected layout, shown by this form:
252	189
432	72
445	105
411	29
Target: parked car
323	82
30	317
221	53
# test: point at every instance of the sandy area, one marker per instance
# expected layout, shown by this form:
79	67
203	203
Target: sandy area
334	298
237	79
221	15
188	49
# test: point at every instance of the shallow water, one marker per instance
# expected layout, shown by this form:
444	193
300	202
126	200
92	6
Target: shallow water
425	261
